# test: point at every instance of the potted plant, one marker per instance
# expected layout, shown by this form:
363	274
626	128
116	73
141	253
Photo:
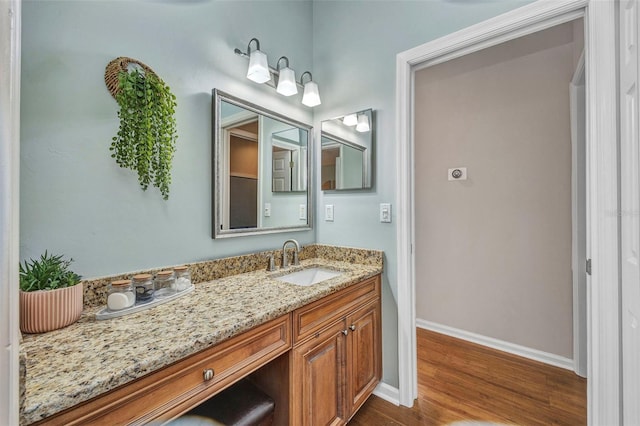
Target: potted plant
50	294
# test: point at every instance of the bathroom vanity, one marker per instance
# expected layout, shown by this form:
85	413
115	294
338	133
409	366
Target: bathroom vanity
316	350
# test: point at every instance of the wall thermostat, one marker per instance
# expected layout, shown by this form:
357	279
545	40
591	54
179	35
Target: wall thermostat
458	173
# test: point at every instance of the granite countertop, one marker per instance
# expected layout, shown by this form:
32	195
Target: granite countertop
74	364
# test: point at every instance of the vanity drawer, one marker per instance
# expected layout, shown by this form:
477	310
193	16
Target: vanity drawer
175	389
313	317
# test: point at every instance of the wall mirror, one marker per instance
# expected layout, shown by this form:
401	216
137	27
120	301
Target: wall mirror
347	144
261	170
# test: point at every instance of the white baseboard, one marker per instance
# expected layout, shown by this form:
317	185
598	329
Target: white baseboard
501	345
388	393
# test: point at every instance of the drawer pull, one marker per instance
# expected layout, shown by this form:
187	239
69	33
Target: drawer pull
345	332
352	327
207	374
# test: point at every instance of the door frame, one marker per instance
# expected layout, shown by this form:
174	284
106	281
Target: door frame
577	106
10	42
603	386
629	53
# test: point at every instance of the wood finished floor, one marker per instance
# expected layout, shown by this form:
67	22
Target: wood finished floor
461	381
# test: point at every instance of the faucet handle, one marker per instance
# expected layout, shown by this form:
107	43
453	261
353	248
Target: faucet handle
272	263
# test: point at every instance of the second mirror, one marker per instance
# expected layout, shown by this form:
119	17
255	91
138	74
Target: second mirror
347	152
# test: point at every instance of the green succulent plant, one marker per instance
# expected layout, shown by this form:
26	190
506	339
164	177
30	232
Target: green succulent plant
49	273
147	134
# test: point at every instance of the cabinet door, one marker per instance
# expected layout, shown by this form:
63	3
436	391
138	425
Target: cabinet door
364	354
319	378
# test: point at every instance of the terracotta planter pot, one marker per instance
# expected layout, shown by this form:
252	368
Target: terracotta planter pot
47	310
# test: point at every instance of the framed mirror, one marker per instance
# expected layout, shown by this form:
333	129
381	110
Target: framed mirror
261	170
347	144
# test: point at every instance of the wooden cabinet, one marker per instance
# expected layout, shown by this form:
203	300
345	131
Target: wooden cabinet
336	361
364	356
318	378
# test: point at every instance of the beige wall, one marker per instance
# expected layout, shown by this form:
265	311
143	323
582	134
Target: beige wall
493	253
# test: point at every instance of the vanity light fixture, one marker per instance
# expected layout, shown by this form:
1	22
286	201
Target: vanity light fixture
311	95
350	120
287	79
363	123
260	72
258	66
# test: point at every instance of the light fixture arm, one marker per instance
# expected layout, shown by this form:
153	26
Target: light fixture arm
249	45
278	63
301	84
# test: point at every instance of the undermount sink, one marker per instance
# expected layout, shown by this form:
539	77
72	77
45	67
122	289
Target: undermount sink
309	276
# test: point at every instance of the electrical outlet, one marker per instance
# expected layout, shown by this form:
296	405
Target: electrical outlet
328	212
267	209
302	212
385	212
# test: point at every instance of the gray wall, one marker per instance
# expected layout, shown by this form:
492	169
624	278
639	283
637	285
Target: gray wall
74	198
493	253
355	44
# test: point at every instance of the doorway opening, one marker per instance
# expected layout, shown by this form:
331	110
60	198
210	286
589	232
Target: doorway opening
494	244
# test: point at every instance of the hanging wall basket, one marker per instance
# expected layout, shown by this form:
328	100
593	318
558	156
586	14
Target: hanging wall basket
147	135
121	64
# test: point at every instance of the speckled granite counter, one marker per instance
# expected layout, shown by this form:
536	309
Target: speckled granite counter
69	366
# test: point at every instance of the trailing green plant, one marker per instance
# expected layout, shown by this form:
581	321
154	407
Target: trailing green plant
147	135
49	273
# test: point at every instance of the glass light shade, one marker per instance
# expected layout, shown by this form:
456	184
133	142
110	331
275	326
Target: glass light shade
363	123
258	67
311	96
350	120
287	82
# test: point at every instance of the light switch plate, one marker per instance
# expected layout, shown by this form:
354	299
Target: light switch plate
302	212
267	209
457	173
328	212
385	212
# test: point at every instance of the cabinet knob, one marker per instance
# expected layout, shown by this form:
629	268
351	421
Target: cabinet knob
345	332
207	374
352	327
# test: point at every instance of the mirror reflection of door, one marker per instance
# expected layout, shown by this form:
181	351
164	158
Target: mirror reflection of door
282	169
289	153
243	175
330	159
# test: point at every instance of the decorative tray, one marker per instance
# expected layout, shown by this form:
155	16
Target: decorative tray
105	313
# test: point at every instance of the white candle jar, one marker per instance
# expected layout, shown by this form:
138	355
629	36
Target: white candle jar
120	295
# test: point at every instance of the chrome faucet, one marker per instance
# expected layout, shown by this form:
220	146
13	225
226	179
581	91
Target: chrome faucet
285	262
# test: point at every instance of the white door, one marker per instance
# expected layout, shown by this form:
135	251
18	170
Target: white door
630	211
281	172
